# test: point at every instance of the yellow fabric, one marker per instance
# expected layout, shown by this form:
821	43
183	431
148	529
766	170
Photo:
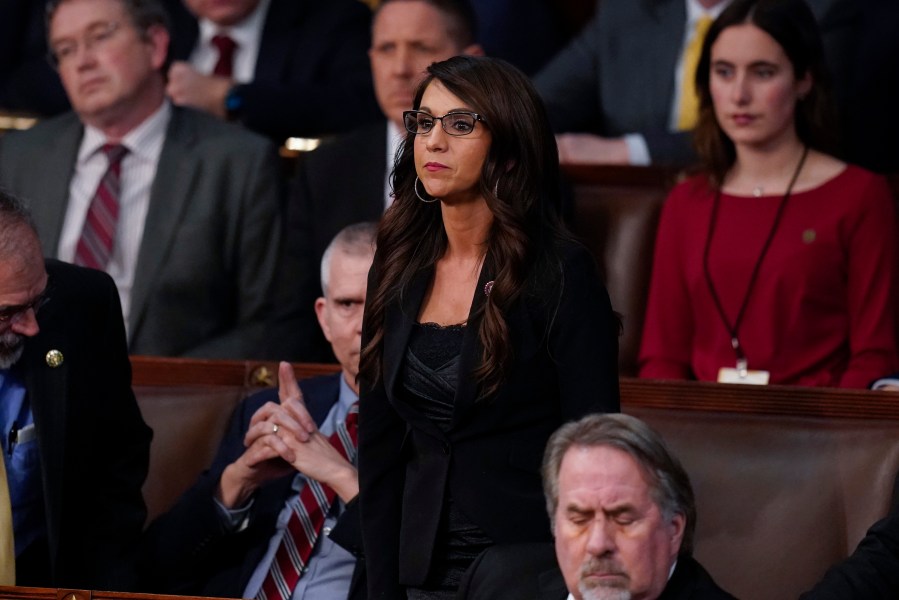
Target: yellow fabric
688	111
7	548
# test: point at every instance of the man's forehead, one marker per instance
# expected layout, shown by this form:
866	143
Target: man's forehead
601	475
412	19
73	16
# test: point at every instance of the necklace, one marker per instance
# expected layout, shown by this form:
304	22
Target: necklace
733	329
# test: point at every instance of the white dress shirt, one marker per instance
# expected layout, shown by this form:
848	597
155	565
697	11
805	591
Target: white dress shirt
138	172
247	34
395	137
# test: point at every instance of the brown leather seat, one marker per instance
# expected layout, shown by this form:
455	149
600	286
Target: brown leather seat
616	212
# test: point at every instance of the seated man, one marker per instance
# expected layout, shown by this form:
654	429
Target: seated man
623	517
229	534
281	67
622	512
77	450
180	209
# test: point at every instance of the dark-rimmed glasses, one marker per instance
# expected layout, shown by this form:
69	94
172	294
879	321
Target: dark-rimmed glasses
454	123
14	314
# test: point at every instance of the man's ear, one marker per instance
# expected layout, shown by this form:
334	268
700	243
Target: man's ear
473	50
321	308
678	526
157	38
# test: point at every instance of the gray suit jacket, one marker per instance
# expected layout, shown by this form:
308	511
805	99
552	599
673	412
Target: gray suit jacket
618	75
208	256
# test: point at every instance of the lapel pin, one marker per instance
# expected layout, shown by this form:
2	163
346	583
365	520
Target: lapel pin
488	287
54	358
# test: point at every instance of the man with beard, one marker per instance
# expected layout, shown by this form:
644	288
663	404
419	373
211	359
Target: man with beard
623	514
75	447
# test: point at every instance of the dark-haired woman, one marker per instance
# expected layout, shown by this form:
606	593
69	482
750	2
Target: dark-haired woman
777	264
485	329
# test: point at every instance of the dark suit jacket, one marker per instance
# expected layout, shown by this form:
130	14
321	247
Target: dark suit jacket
338	184
618	75
564	335
93	443
530	572
187	551
211	239
312	76
870	573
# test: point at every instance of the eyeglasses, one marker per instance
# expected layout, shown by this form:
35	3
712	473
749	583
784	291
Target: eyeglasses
454	123
95	37
15	314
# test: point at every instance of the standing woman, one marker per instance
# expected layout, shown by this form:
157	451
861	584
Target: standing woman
778	263
486	327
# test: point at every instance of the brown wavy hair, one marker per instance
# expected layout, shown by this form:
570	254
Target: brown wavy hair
520	182
792	25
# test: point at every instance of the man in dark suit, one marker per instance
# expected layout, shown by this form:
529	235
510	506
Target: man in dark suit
222	536
346	180
623	513
291	67
194	245
614	92
77	450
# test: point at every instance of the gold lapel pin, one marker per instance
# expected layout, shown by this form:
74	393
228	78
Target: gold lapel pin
54	358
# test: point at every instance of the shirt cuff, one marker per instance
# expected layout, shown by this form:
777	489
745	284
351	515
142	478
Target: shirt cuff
233	519
637	150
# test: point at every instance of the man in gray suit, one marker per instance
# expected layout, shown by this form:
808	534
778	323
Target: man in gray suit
179	208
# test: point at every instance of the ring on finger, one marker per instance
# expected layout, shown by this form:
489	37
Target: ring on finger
275	428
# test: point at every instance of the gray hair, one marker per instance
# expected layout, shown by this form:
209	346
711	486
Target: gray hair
355	240
15	220
143	13
668	481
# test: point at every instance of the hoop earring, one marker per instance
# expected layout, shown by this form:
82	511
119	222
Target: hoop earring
420	197
496	190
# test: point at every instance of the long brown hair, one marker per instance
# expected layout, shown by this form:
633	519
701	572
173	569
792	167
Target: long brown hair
520	182
792	25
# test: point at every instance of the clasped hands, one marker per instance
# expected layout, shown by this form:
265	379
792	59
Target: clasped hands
282	438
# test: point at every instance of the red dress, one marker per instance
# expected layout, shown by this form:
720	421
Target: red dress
821	311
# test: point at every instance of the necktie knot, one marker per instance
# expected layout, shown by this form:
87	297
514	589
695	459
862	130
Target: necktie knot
114	153
226	47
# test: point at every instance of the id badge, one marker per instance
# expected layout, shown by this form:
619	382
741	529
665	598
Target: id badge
746	376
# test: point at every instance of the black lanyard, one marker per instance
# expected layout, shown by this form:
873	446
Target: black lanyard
734	329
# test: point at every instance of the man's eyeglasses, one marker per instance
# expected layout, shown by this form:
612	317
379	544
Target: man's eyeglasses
95	36
454	123
15	314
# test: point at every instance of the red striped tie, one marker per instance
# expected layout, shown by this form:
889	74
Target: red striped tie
226	46
94	249
306	520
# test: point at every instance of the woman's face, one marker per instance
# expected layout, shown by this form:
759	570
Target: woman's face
753	87
450	166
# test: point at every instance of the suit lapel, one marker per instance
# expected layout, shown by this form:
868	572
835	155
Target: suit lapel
50	196
48	396
172	188
274	47
472	350
397	328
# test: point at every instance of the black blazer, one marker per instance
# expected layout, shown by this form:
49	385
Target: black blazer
94	445
312	75
186	551
565	340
